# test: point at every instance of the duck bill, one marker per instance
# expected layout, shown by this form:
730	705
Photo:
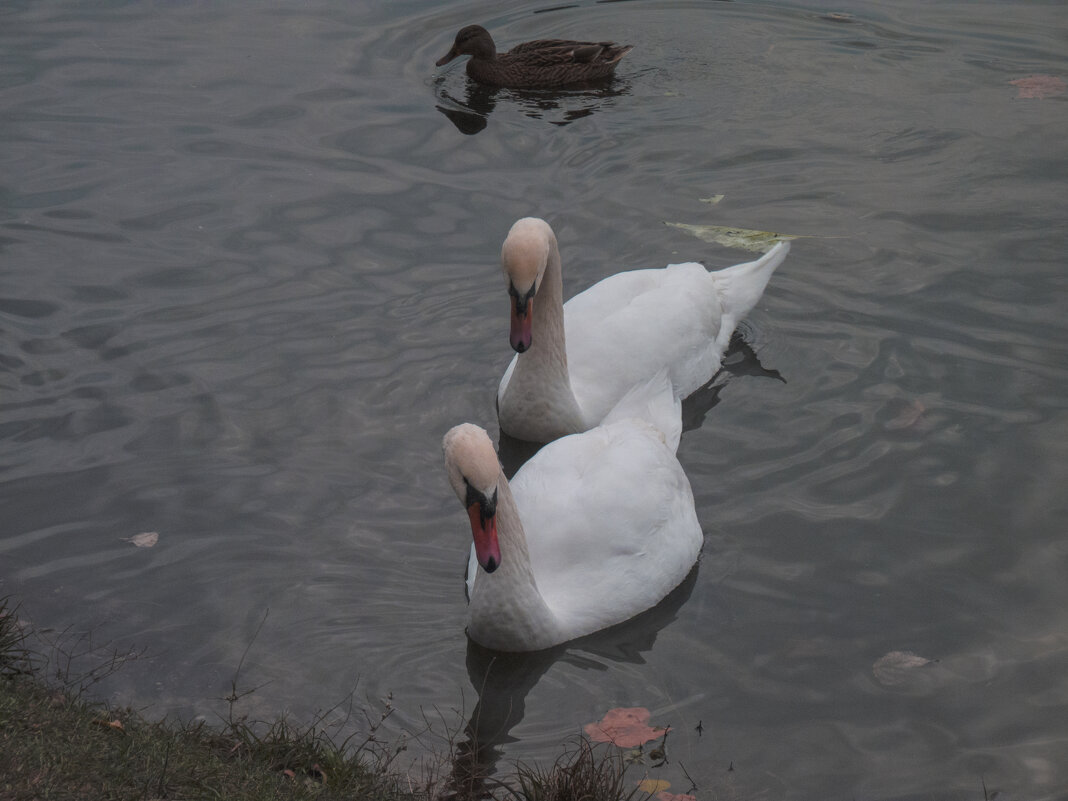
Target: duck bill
520	333
484	532
445	59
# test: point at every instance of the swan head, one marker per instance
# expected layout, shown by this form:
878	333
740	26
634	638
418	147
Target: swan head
473	470
524	257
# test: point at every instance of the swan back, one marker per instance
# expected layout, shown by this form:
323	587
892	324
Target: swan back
656	403
612	523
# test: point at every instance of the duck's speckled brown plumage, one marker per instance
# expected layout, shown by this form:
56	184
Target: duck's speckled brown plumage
541	64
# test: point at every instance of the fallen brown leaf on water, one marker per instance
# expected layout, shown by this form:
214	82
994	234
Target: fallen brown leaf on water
913	412
1039	86
893	668
626	727
145	539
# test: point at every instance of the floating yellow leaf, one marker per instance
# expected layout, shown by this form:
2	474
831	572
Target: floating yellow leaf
653	785
145	539
743	238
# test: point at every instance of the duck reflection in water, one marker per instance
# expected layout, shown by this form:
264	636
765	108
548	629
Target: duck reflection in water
557	106
503	680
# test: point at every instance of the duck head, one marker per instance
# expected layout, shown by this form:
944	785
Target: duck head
524	257
474	41
473	470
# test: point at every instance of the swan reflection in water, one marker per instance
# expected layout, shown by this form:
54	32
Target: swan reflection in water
503	680
557	106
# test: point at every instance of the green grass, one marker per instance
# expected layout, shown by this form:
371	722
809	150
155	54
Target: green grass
55	744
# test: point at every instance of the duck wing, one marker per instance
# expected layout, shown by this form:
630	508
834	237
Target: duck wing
555	52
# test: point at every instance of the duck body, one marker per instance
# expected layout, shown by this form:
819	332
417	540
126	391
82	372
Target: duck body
576	360
541	64
594	529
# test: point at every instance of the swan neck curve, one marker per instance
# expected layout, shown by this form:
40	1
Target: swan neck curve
549	345
506	611
542	404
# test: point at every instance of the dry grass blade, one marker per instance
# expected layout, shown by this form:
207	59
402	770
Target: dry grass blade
586	773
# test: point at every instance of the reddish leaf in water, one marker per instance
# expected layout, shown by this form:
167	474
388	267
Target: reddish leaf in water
627	727
1039	86
909	416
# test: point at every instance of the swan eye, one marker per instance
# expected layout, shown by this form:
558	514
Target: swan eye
521	301
487	506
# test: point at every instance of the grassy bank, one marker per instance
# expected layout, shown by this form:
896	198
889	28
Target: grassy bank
57	744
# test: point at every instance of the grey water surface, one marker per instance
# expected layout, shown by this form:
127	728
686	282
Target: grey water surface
248	278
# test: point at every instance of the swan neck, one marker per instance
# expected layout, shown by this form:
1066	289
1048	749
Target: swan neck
507	612
548	348
539	402
549	306
512	538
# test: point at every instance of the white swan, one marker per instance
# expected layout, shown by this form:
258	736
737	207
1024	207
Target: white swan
594	529
619	332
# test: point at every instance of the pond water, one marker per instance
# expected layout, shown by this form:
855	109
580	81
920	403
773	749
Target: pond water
248	278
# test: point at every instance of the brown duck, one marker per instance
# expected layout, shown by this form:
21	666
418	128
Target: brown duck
541	64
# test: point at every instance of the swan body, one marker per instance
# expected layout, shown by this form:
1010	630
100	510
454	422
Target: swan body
541	64
576	360
594	529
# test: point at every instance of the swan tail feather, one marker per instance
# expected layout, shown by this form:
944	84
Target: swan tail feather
656	403
740	287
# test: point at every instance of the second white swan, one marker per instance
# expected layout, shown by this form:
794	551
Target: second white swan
576	360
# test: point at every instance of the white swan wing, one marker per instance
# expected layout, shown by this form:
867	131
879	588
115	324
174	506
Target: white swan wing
624	329
610	521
